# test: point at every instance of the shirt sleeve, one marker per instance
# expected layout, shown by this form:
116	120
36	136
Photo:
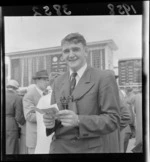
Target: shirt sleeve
28	105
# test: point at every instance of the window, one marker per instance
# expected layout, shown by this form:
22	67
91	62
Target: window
96	58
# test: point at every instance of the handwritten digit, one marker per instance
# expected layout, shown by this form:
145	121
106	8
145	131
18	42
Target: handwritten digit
127	8
65	10
111	7
57	8
119	10
46	11
133	9
35	12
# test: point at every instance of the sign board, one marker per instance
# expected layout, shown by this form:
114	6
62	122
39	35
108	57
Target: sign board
58	64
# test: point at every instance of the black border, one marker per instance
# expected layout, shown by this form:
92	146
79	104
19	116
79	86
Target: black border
77	9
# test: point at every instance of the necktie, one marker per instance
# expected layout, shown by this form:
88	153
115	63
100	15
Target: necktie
72	86
45	93
73	82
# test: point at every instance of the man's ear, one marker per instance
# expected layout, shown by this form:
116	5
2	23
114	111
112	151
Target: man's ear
86	51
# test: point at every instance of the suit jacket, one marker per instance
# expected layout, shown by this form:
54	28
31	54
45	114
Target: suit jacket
14	117
30	101
130	101
126	115
126	118
14	111
96	98
138	112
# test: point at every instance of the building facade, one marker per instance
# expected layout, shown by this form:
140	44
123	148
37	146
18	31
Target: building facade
130	72
24	64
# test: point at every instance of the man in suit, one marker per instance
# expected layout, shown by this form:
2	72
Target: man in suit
139	128
125	115
14	117
93	111
130	133
30	101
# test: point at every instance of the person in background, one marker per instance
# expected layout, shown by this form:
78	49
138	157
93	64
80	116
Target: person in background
138	123
130	133
14	117
30	101
93	111
22	140
126	118
43	141
125	115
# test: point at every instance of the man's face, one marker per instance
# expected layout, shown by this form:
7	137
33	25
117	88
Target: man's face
43	83
74	55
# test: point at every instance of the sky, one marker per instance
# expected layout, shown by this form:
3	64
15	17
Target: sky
35	32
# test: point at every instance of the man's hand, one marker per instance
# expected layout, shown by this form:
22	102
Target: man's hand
68	118
49	120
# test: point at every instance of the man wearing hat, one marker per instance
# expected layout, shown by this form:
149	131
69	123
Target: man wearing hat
14	116
30	101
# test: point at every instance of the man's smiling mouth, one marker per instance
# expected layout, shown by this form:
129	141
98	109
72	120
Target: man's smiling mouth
72	60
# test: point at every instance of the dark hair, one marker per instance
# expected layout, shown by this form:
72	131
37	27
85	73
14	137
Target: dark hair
74	38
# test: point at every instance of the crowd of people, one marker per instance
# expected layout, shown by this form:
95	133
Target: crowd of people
95	115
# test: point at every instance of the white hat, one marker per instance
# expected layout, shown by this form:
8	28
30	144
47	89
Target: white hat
13	83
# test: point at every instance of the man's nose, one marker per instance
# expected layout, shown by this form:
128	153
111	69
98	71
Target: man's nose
71	53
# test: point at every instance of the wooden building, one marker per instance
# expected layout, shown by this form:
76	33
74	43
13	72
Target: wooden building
24	64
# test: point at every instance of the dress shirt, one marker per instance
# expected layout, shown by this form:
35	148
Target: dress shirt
79	73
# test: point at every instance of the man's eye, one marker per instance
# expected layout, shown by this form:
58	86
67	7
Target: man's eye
66	51
75	49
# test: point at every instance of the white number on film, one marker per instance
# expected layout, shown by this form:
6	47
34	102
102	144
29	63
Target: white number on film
48	12
122	9
35	12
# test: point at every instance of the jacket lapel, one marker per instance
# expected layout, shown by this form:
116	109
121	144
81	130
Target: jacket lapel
84	85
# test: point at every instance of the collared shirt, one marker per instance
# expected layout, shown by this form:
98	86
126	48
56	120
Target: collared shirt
79	73
39	90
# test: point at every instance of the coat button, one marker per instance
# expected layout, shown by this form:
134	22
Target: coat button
78	137
73	141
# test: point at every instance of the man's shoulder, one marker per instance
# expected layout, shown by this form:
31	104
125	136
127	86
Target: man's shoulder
31	92
61	77
100	73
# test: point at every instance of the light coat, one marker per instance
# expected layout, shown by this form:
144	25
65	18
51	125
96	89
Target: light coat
30	101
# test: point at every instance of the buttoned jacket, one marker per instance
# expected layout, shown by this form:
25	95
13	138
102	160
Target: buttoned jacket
96	98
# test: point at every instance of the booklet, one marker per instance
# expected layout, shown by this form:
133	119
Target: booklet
53	109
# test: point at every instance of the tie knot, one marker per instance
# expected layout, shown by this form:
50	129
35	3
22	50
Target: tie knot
45	93
73	75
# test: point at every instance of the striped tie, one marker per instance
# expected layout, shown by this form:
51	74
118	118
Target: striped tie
73	82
